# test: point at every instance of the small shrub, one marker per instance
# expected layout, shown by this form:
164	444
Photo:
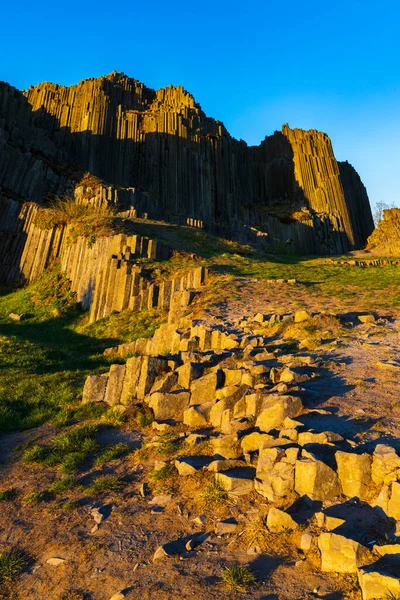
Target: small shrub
11	565
238	579
105	483
214	495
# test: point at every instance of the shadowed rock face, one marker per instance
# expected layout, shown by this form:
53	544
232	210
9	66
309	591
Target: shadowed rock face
188	166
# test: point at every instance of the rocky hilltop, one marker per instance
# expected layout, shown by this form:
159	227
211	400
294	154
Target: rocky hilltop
163	158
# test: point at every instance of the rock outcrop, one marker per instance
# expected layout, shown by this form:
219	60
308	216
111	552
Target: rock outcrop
386	237
170	161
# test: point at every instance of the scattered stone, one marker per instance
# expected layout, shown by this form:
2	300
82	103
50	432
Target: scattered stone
276	409
161	500
55	561
237	482
379	580
279	521
97	515
339	554
301	315
189	465
315	479
15	317
227	526
118	596
354	471
195	541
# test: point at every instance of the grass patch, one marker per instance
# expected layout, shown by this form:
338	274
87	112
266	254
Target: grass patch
6	495
34	498
62	485
11	565
46	357
112	453
105	483
214	495
238	579
67	451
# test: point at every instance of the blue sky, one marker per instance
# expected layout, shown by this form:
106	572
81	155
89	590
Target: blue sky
253	65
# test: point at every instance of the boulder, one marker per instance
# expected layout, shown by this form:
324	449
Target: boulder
275	409
301	315
354	471
189	465
252	441
326	437
114	385
95	388
339	554
275	472
133	368
169	406
237	482
315	479
226	446
187	373
151	367
196	416
164	383
204	388
279	521
385	465
379	580
389	500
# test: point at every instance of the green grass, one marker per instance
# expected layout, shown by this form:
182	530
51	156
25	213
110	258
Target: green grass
11	565
62	485
379	286
46	357
111	453
34	498
105	483
67	451
6	495
214	495
238	579
161	475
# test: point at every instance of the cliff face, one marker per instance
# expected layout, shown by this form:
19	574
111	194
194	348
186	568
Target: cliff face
182	164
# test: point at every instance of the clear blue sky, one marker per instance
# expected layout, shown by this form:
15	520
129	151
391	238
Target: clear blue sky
253	65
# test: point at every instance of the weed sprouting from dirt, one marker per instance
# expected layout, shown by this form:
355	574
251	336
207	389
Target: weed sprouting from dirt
214	495
238	579
12	564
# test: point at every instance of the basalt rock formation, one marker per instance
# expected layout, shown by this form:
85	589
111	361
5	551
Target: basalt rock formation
165	159
386	236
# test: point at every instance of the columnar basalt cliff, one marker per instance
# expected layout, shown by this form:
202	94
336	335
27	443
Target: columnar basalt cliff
185	164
